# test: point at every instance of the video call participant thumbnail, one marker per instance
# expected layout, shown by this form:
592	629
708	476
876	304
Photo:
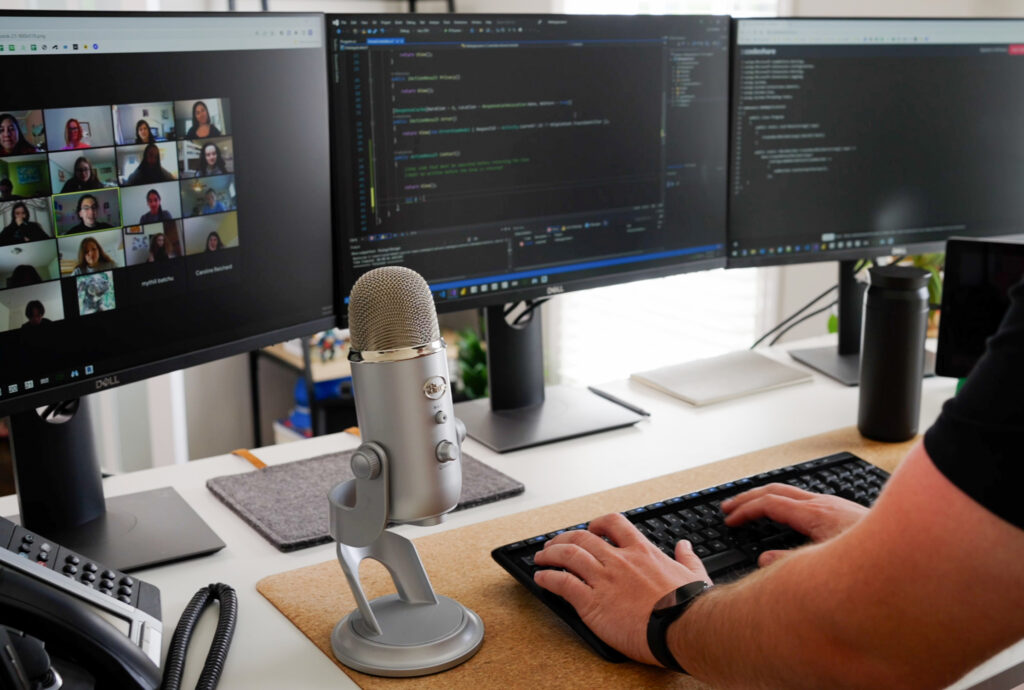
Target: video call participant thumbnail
21	132
76	128
151	203
79	128
24	221
147	164
79	171
91	253
154	243
209	195
24	177
86	212
31	307
143	123
211	234
28	264
205	158
95	293
202	119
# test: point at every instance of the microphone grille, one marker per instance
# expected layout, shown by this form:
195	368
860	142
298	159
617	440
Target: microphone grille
391	308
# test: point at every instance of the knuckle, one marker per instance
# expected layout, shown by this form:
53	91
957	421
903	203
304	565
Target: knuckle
576	536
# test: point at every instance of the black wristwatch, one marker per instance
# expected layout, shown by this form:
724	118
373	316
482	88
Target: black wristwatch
669	608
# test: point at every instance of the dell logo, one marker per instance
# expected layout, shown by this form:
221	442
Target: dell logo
107	382
555	289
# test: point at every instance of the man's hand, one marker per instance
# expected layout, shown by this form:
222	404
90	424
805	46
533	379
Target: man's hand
614	588
819	516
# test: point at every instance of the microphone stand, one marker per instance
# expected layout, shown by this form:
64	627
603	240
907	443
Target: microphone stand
414	632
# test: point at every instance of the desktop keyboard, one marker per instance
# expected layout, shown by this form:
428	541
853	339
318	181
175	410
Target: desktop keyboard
727	553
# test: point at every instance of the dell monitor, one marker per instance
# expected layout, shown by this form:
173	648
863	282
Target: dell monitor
859	138
507	158
165	202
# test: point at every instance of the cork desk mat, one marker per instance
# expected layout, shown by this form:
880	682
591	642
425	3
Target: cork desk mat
524	643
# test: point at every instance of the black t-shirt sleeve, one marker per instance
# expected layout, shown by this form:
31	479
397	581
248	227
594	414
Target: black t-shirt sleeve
978	440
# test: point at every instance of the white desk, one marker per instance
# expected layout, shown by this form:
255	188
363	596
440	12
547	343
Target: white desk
269	652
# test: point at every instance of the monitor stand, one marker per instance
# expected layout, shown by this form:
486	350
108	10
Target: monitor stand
60	496
842	363
521	412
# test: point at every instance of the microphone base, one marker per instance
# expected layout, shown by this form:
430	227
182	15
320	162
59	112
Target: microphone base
417	639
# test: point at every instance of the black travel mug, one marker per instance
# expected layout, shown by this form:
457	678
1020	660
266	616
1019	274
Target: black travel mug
892	352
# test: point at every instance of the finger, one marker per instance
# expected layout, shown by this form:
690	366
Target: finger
582	538
572	557
686	556
795	513
565	585
616	527
769	557
775	488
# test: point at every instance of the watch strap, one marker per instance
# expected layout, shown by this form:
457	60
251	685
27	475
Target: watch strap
662	618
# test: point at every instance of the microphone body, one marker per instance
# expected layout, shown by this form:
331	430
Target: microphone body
404	403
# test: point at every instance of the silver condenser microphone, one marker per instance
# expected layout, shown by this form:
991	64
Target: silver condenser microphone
402	394
407	470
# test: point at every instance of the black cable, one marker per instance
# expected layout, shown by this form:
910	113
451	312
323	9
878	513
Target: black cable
529	310
801	320
792	316
214	665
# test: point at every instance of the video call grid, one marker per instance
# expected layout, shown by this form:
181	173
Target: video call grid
108	163
87	191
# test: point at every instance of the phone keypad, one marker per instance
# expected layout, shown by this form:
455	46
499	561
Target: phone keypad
75	566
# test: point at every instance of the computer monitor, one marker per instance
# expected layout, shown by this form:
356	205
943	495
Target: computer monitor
857	138
508	158
975	297
165	184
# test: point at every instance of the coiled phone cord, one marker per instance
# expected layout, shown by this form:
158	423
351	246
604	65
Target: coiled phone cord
175	665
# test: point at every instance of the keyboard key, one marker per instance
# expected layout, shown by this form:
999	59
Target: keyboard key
717	546
723	561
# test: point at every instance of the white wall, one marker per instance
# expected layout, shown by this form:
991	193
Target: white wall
218	407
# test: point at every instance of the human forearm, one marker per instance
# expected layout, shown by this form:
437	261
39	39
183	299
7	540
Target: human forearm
774	629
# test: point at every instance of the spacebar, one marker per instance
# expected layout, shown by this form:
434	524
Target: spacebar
716	563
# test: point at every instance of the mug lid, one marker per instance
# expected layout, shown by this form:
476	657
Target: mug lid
899	277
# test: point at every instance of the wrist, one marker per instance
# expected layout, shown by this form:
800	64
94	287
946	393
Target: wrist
667	611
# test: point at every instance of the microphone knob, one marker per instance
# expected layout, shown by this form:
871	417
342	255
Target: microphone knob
365	463
447	451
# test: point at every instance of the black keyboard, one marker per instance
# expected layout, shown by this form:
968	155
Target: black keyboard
727	553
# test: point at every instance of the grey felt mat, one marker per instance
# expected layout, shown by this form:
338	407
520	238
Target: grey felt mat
287	503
